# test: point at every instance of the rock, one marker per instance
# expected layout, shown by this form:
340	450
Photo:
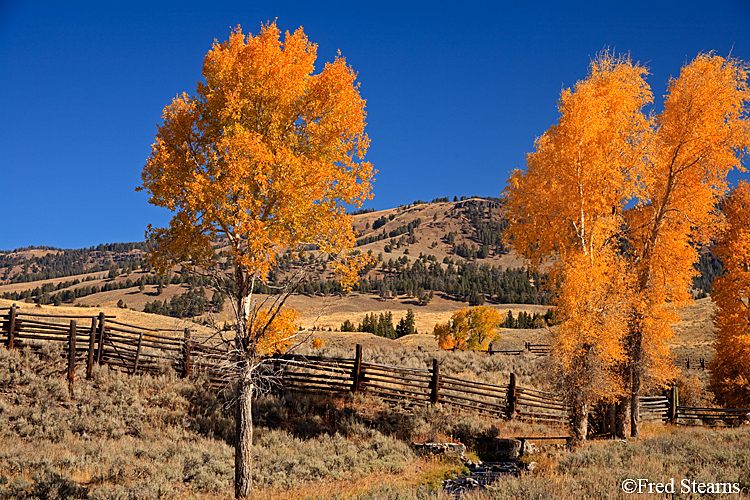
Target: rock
528	448
507	449
447	449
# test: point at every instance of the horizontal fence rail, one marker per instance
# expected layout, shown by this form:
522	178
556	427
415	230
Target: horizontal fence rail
731	417
654	409
135	349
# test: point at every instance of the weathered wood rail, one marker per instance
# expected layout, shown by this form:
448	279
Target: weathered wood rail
101	339
545	349
417	386
134	349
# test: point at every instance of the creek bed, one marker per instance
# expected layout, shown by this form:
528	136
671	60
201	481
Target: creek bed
481	474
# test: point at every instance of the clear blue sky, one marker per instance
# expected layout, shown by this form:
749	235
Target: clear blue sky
455	94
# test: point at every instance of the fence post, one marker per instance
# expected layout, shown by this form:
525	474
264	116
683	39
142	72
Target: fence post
72	352
512	397
137	353
11	326
90	357
674	402
186	353
357	373
687	363
100	340
435	383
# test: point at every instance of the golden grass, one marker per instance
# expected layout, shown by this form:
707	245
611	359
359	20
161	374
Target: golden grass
417	472
150	321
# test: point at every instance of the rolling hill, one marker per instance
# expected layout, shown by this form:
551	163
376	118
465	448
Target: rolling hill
433	258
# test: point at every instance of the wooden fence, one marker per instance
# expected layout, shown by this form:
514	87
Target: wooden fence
417	386
134	349
103	340
545	349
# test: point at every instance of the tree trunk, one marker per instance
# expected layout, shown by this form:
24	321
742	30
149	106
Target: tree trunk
243	466
636	375
579	421
621	414
610	418
635	404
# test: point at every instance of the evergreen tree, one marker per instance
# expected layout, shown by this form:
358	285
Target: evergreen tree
406	326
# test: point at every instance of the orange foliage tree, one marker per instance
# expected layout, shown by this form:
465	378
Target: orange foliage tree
264	157
730	368
582	168
702	133
470	328
639	193
588	346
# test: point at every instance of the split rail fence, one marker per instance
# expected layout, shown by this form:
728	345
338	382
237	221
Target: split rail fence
544	349
417	386
133	349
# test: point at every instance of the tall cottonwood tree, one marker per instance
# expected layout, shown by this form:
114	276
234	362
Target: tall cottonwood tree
730	368
265	155
565	211
663	188
702	133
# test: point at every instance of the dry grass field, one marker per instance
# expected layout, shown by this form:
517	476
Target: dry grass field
694	334
141	437
150	321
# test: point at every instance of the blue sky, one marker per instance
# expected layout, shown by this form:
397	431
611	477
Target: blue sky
455	94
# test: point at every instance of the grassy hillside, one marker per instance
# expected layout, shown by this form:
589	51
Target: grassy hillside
109	276
418	258
143	437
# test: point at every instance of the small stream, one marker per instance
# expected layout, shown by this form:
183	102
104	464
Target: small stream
480	475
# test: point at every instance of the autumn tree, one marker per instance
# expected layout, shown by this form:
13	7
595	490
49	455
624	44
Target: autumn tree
730	368
263	158
582	169
639	192
702	133
470	328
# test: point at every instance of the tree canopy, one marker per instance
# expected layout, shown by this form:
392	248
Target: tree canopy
730	368
265	157
630	196
470	328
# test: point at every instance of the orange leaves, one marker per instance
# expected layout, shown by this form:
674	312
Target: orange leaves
700	136
265	149
575	180
274	332
445	338
471	327
266	154
730	369
609	192
589	345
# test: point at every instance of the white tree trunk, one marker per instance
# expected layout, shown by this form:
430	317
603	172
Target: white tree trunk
579	421
243	466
